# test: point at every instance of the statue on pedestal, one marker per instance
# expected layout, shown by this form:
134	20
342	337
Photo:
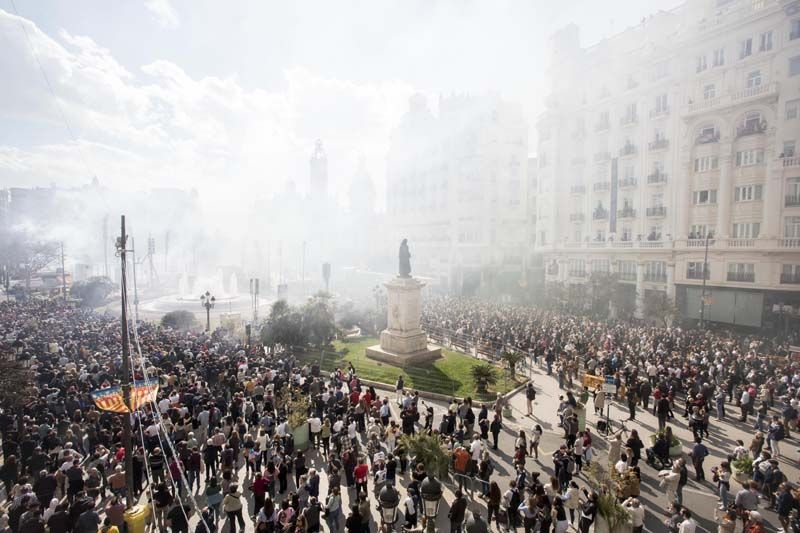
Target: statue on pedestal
405	260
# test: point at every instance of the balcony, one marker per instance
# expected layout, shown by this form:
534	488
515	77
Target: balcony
750	94
741	243
744	277
694	274
708	138
627	212
658	113
627	183
789	162
600	214
601	186
629	120
792	200
577	189
789	243
699	243
655	277
752	128
658	144
601	156
657	178
658	211
788	278
576	217
628	150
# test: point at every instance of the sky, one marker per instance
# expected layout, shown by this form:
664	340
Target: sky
229	97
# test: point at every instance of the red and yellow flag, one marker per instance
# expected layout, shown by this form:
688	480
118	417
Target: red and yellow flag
110	399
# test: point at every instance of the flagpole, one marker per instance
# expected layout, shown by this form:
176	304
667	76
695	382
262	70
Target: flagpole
126	369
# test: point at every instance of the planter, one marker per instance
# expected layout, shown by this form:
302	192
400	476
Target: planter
742	478
507	412
601	526
300	435
676	450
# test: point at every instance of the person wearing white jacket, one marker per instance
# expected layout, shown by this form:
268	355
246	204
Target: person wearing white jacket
572	500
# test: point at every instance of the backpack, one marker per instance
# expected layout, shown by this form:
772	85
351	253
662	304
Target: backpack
514	500
780	433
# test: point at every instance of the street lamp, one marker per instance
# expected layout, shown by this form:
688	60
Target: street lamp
475	524
207	301
389	499
431	491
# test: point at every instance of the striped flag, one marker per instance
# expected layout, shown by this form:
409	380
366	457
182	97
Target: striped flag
110	398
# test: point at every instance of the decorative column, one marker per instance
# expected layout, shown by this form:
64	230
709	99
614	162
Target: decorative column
773	190
683	200
639	312
724	194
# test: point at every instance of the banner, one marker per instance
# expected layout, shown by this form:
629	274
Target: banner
592	382
110	399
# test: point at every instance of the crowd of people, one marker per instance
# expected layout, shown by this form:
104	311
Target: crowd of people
216	448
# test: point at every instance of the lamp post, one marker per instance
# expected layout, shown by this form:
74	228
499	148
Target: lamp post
475	524
705	276
431	491
389	499
207	301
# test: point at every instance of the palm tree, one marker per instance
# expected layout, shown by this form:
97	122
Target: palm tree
428	450
512	359
483	375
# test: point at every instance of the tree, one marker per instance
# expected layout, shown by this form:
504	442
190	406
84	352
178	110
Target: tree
25	254
284	326
93	291
17	391
180	319
660	307
318	323
483	375
430	451
623	299
512	359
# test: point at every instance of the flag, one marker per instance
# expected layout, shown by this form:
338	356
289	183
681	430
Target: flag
110	398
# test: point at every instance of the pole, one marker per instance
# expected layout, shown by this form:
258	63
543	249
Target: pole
135	289
703	293
63	274
126	369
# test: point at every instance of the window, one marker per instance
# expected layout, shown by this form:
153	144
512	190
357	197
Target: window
790	274
627	233
791	227
747	158
655	233
795	31
601	265
655	271
704	197
709	91
792	109
765	42
577	267
629	172
794	66
788	149
747	193
793	187
746	48
701	63
699	231
630	112
695	270
746	230
661	103
657	200
719	57
706	163
626	270
741	272
753	79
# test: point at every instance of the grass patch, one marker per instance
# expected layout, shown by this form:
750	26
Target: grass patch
449	375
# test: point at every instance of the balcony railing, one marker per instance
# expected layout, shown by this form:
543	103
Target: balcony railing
655	277
699	243
792	200
628	149
741	243
627	276
602	156
601	186
791	162
748	277
694	274
629	120
658	211
789	242
790	278
751	93
656	113
658	144
576	217
577	273
626	213
600	214
751	129
627	182
707	138
656	178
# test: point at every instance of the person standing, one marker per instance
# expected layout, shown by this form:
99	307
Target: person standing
530	396
699	453
398	389
636	511
688	525
495	428
457	512
232	507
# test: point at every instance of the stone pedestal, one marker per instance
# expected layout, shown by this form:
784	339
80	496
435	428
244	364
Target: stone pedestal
403	341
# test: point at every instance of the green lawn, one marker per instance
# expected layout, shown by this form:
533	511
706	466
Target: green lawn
449	375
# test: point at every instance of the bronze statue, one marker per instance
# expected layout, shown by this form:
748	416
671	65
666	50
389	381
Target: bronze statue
405	260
